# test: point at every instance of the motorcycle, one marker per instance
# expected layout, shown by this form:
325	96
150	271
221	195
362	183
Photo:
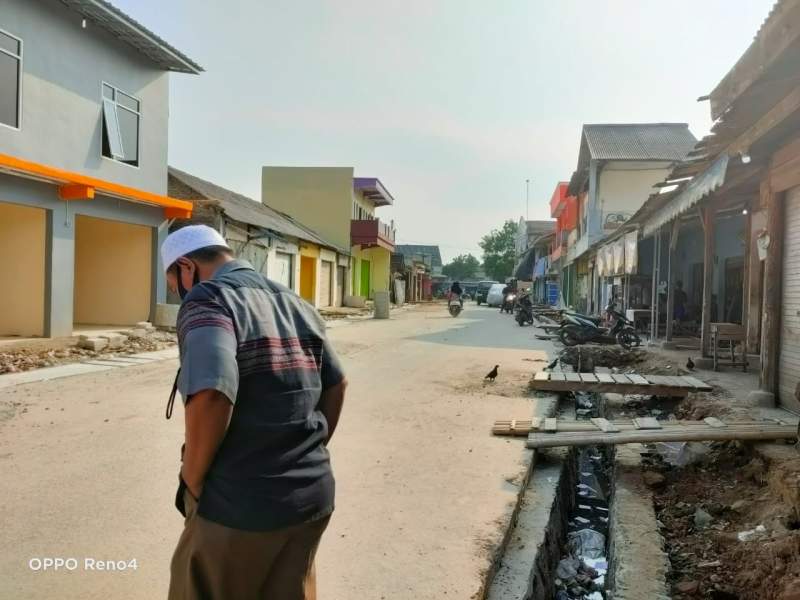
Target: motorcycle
524	310
508	303
454	306
580	329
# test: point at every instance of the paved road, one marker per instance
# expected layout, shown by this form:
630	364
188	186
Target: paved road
423	491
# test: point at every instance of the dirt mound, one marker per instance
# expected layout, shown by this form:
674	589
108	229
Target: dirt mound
727	535
601	356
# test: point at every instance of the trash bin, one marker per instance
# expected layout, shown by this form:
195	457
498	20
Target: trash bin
381	300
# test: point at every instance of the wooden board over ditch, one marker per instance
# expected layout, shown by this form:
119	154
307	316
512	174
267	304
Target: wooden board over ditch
642	431
629	383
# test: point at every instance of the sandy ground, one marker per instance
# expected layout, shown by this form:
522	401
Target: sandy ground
423	491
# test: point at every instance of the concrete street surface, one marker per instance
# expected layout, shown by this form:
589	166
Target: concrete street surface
424	492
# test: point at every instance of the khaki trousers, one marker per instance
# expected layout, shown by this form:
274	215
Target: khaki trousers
214	562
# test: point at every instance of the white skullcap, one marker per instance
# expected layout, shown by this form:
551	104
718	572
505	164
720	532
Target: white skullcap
188	239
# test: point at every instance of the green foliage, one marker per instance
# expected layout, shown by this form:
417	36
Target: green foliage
463	266
499	251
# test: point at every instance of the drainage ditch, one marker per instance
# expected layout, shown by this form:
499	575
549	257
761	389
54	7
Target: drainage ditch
572	561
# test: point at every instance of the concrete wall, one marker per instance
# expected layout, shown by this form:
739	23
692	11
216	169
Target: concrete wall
623	186
60	242
22	244
319	197
63	67
112	272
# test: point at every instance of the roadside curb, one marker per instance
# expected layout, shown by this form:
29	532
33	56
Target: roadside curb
92	365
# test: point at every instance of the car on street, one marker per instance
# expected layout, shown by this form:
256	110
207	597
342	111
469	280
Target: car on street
483	289
494	297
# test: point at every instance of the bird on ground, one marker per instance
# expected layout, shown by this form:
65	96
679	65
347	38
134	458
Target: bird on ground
552	365
492	375
690	364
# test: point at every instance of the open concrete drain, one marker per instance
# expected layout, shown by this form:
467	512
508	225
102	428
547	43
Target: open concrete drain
558	547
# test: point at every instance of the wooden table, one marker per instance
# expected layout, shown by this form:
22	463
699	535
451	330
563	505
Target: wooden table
731	334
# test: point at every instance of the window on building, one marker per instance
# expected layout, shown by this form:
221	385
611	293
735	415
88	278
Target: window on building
10	79
121	118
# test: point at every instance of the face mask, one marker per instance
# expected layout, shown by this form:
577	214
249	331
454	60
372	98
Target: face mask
182	291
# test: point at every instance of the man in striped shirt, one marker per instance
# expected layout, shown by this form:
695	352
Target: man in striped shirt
263	390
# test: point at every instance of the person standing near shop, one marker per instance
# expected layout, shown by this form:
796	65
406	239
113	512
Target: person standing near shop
263	391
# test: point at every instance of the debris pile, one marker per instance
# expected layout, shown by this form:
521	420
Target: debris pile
130	342
727	534
600	356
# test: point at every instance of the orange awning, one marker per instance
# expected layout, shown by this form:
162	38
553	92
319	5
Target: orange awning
74	186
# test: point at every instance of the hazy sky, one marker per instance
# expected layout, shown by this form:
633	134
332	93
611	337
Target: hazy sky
451	103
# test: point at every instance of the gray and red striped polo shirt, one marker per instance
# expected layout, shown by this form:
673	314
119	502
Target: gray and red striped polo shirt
264	348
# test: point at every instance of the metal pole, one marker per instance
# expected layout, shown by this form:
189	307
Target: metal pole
527	197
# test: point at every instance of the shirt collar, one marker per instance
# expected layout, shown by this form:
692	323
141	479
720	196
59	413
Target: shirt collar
236	264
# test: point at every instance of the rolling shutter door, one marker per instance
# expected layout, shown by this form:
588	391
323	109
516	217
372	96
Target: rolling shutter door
789	360
325	280
341	273
283	272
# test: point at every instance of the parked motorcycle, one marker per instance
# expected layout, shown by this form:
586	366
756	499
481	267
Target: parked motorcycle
454	306
581	329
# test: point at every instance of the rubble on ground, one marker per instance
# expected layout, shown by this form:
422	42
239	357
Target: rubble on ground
600	356
727	533
119	343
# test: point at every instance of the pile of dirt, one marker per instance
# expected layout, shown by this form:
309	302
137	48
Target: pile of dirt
26	359
728	536
600	356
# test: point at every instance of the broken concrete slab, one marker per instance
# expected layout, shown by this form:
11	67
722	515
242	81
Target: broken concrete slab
94	344
115	340
639	564
146	325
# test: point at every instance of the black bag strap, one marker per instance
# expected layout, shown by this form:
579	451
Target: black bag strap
171	401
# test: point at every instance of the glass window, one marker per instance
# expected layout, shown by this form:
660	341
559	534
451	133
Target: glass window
10	79
127	101
10	44
120	125
112	135
129	131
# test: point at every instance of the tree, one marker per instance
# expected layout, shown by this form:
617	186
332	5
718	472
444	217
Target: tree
499	251
463	266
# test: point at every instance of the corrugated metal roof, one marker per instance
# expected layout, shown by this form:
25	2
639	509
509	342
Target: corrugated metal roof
246	210
133	33
639	141
630	141
432	251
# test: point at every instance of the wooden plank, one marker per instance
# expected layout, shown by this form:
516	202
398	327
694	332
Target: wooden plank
541	376
604	377
573	377
684	434
657	379
551	424
646	423
557	377
605	425
714	422
588	377
697	384
621	379
708	277
637	379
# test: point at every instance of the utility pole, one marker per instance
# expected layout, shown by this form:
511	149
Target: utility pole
527	197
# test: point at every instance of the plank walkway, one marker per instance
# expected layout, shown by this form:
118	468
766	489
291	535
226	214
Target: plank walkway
629	383
640	431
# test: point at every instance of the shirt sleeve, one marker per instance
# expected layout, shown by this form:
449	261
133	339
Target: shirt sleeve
332	372
208	349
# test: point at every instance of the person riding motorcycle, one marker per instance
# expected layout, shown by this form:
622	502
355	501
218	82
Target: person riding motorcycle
455	290
506	291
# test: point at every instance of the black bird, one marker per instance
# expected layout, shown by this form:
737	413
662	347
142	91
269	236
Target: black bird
552	365
492	375
690	364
